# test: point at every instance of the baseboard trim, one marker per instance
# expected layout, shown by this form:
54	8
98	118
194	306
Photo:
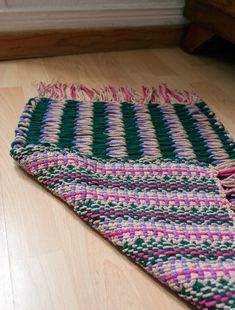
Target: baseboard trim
28	44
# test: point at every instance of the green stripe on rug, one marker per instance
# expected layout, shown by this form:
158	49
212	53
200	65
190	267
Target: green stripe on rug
200	148
34	130
133	143
162	131
99	130
68	122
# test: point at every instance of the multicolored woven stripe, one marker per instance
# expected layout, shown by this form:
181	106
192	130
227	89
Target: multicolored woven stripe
170	215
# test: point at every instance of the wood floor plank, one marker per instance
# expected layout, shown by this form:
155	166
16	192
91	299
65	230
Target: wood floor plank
9	74
6	293
199	68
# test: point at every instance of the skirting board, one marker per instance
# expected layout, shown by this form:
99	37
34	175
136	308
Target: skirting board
30	44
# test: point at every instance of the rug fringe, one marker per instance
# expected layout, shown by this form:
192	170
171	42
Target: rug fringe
162	94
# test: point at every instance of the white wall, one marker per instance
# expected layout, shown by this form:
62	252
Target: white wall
61	14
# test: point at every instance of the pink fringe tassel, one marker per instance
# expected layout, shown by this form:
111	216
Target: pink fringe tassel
162	94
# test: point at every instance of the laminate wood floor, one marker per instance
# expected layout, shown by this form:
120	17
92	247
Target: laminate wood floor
50	259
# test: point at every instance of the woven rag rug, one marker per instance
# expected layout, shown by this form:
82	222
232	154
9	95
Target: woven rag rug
153	173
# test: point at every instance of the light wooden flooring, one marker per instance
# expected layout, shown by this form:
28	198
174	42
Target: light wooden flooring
49	259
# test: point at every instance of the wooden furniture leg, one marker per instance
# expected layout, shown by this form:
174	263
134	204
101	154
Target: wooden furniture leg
195	36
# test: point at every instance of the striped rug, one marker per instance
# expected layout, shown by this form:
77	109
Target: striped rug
154	174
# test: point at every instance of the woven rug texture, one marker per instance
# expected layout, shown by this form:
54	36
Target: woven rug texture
153	173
